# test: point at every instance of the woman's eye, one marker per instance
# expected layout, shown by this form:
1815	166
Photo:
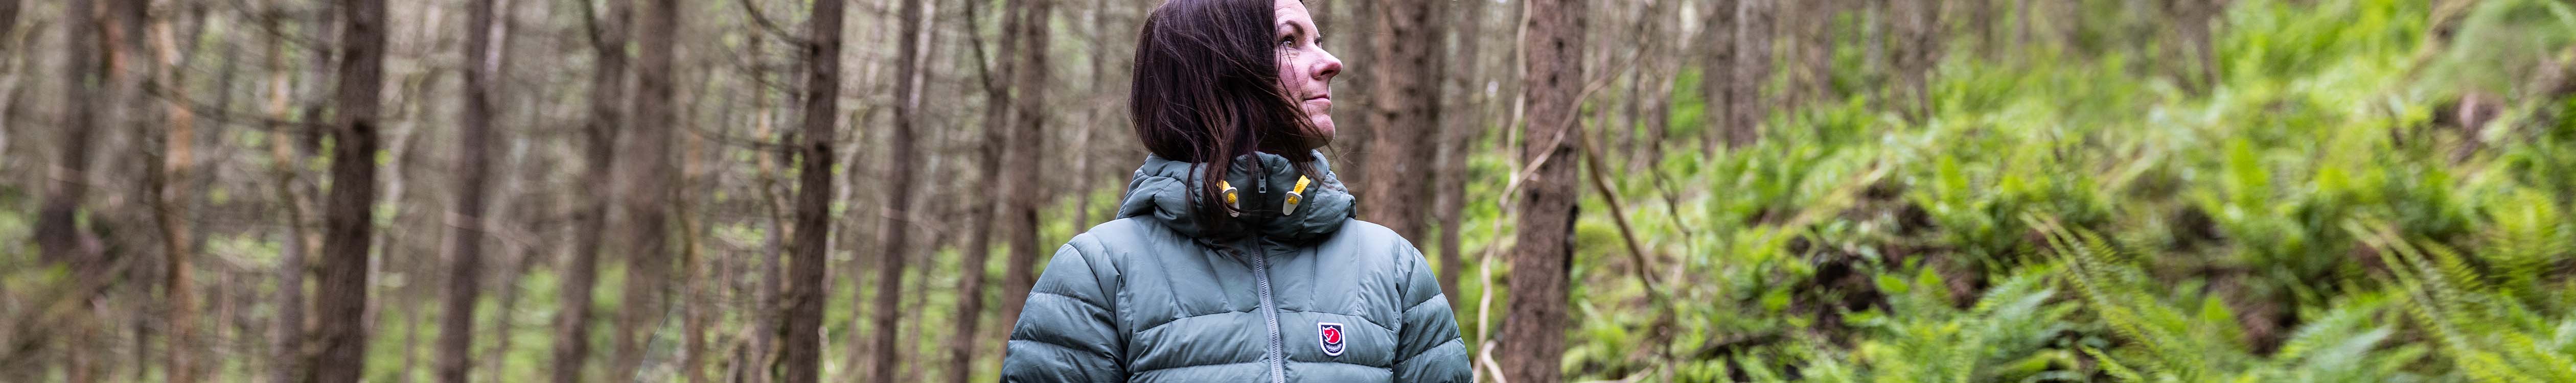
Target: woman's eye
1290	41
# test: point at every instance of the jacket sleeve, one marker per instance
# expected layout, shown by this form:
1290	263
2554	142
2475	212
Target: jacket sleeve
1067	330
1428	348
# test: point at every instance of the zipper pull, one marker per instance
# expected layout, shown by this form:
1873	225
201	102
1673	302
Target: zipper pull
1295	196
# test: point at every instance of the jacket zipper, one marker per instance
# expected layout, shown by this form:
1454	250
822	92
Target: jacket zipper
1270	314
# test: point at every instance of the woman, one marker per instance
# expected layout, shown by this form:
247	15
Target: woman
1234	257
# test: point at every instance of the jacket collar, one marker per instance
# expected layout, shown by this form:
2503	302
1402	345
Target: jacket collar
1162	190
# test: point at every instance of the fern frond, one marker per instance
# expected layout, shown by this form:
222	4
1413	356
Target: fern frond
2113	366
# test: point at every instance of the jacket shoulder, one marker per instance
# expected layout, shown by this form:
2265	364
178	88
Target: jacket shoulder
1125	235
1358	235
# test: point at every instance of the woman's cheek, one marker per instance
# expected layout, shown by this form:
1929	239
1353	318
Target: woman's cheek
1288	66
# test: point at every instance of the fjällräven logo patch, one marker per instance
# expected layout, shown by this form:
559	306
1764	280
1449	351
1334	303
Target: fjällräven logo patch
1331	334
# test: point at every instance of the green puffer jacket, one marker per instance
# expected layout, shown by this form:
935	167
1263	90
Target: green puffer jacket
1311	296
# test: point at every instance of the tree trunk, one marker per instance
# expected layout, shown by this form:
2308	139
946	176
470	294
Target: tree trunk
1818	56
648	186
979	247
55	232
2197	63
284	161
1020	213
348	231
9	14
520	208
1752	70
505	312
1918	46
801	328
1533	339
413	310
607	35
1717	74
1458	138
907	114
696	270
763	310
474	140
1404	116
172	196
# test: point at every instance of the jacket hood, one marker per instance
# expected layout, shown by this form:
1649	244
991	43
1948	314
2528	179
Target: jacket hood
1163	191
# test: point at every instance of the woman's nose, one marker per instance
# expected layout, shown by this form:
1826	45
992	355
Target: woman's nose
1331	66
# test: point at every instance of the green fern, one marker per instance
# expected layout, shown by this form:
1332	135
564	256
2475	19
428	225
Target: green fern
2486	338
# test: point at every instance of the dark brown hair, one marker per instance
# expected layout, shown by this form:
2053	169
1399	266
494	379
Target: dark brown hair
1207	90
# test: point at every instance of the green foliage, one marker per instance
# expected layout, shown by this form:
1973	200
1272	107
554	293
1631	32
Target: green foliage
2064	218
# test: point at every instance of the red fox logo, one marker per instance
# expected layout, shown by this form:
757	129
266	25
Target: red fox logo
1331	334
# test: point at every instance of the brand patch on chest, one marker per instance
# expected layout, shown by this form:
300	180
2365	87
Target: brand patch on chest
1331	335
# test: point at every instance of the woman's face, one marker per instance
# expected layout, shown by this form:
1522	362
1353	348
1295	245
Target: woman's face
1305	69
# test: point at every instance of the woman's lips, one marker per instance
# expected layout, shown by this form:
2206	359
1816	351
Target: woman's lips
1321	102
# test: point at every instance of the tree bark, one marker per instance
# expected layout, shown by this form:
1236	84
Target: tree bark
474	140
1817	85
607	35
1917	30
172	195
1533	339
2198	64
648	188
801	328
1027	141
348	231
979	247
285	160
1752	70
764	308
55	232
1458	138
1717	74
893	234
9	14
1406	115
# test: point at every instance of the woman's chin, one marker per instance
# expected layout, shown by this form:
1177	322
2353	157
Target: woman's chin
1323	125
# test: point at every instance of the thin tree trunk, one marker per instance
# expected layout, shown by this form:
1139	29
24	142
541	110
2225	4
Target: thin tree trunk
763	313
1543	252
907	97
1819	60
171	198
649	186
55	232
284	159
607	35
519	207
1020	214
348	232
505	312
801	328
1458	136
1717	76
695	270
979	244
9	15
412	310
474	142
1917	28
1752	70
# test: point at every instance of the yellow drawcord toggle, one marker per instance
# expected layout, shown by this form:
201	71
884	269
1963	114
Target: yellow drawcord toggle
1229	198
1295	195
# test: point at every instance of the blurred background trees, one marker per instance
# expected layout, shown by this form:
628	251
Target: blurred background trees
1665	190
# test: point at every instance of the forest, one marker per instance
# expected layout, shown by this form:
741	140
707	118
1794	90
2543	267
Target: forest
300	191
